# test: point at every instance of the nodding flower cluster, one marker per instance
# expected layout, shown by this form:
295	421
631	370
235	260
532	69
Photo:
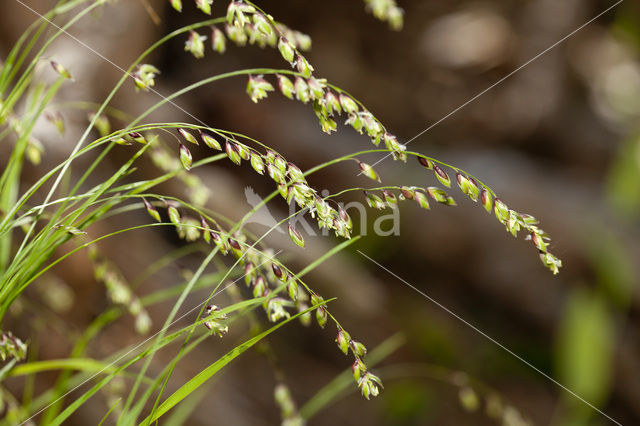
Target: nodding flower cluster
476	191
291	182
513	221
387	198
11	347
262	273
246	23
327	105
368	382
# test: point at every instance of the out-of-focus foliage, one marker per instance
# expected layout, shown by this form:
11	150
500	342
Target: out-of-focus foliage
624	179
585	345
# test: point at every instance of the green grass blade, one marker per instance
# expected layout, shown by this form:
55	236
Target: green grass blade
80	364
181	414
114	405
6	368
166	340
197	381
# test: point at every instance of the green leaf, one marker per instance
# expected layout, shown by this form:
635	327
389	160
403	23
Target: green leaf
180	416
81	364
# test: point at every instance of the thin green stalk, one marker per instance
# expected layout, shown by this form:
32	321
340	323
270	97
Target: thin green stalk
197	381
239	224
114	405
145	353
9	182
22	83
112	93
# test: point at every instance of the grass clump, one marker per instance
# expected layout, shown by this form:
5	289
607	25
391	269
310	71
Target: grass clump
57	216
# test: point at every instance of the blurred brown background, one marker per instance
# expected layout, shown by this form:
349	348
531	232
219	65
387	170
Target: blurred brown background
558	140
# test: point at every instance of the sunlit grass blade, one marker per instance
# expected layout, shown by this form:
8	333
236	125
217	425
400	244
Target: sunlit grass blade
197	381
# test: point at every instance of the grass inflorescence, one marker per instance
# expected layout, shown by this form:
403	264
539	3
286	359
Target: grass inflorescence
54	218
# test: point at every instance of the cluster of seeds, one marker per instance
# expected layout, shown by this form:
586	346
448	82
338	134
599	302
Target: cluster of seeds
327	104
513	220
290	180
11	347
118	290
384	10
246	23
387	198
368	382
263	276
